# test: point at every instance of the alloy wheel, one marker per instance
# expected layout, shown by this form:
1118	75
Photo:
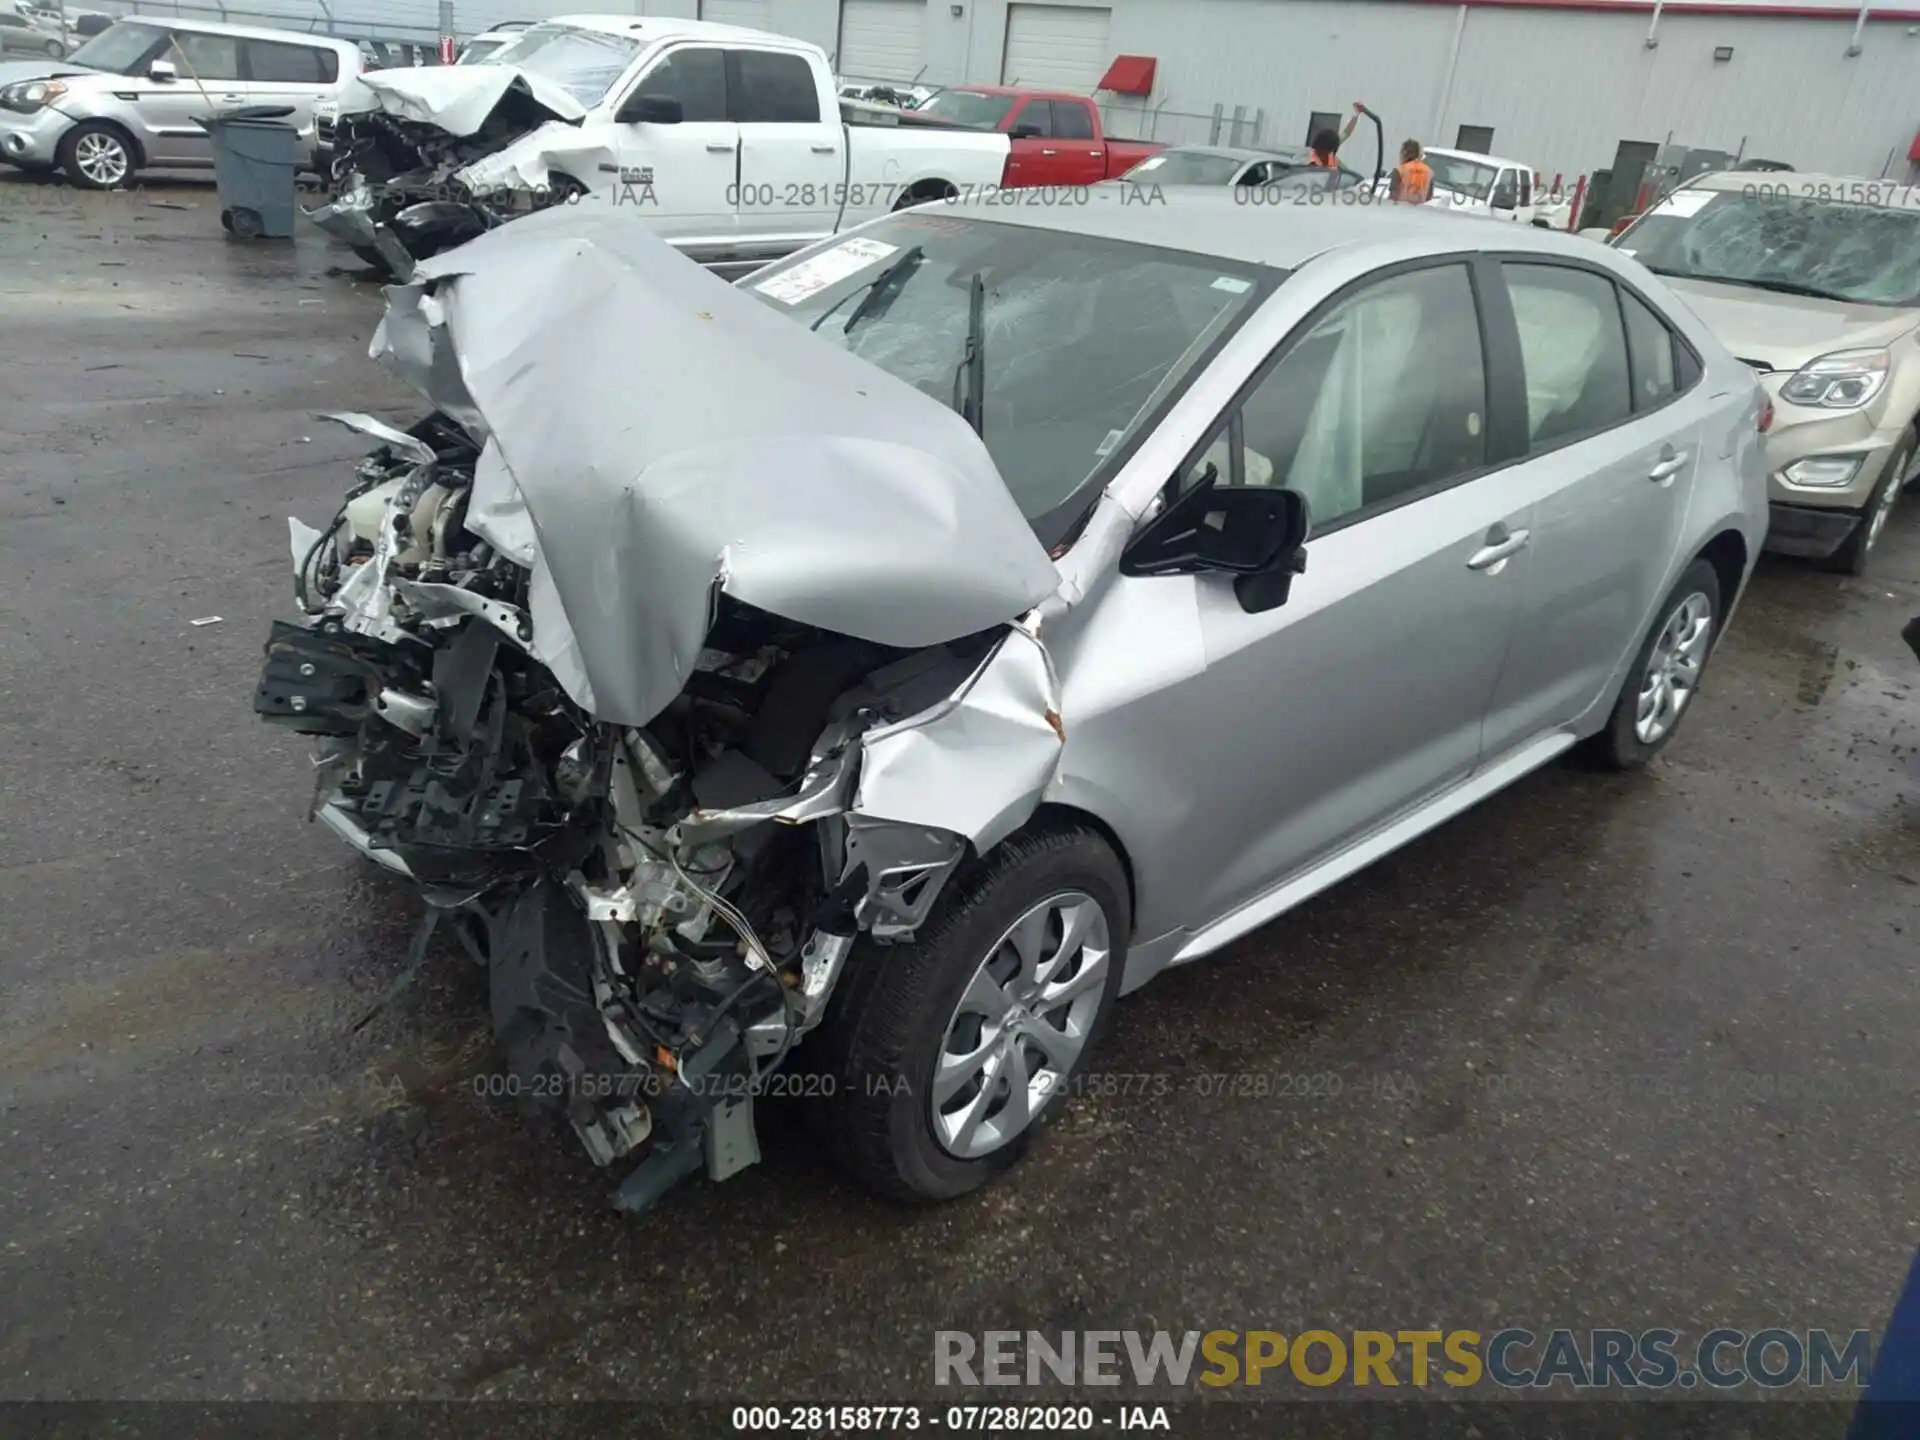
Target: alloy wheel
102	159
1673	669
1020	1025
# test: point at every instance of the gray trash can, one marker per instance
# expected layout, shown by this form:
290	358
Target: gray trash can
256	162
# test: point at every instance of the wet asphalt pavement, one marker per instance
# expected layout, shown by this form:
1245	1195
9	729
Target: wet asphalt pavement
1603	1052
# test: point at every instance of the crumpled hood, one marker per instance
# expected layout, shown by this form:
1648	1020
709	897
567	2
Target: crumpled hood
457	98
1784	332
654	435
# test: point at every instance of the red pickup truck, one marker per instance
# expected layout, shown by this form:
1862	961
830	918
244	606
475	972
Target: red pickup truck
1055	138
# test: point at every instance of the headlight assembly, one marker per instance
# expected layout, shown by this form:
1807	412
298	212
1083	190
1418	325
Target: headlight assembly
1844	380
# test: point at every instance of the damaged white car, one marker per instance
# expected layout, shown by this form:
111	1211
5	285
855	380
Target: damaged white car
852	681
728	142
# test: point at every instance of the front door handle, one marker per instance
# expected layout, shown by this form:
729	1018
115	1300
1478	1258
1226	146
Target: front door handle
721	149
823	149
1493	556
1049	152
1669	466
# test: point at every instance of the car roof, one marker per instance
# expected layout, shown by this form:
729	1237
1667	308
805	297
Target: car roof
1215	221
1239	152
666	27
246	32
1854	189
1481	156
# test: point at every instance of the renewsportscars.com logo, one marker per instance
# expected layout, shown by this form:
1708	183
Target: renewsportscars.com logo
1512	1359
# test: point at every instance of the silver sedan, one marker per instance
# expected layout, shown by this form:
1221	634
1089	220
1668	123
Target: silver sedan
882	666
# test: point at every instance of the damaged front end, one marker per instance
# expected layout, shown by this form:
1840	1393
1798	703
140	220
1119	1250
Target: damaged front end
665	749
427	160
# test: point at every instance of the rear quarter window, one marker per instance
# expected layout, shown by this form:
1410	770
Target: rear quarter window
274	63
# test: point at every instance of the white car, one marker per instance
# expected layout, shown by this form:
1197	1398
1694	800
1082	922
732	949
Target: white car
729	143
482	48
1484	185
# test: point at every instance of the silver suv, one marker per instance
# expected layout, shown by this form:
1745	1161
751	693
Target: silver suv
129	98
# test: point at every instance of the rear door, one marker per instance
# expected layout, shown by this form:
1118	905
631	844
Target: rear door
1613	442
278	73
793	157
1365	693
1080	157
207	82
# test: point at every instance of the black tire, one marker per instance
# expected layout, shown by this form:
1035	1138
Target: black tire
882	1035
1851	558
68	151
1619	746
925	191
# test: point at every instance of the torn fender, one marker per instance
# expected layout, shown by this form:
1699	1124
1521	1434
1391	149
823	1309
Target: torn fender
531	162
979	763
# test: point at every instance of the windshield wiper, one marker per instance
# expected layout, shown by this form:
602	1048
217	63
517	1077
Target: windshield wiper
970	379
885	288
867	289
1779	287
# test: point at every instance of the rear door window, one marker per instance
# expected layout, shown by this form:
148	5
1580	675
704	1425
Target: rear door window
1573	347
768	87
272	63
1071	121
1651	347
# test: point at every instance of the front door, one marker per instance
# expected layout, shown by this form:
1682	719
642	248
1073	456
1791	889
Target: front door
1364	694
206	82
793	162
685	176
1613	450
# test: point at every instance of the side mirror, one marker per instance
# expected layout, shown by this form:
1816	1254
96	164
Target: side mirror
1252	532
162	72
1024	132
651	110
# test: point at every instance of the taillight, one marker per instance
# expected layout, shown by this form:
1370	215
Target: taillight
1006	172
1766	417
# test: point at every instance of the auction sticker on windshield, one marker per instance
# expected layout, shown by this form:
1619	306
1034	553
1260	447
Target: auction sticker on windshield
1686	202
829	267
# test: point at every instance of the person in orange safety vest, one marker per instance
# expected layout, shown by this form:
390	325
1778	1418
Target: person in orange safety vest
1412	177
1325	145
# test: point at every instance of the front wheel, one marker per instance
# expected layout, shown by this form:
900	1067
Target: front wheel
1851	557
945	1057
1666	673
97	156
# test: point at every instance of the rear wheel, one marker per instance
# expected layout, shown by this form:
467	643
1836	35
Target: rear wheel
1666	673
947	1056
1851	558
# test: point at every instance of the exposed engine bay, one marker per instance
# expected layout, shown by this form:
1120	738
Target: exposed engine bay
664	910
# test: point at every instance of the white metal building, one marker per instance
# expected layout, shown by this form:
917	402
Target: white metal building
1828	84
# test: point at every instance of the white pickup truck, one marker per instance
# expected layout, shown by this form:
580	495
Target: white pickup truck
729	143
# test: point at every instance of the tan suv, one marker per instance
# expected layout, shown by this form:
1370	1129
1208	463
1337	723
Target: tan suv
1814	281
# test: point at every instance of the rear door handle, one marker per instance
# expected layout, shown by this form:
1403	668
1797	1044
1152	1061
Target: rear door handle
1668	467
1049	152
1493	555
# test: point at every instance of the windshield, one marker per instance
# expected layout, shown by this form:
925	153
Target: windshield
1188	167
478	52
119	49
969	107
1770	238
1462	176
585	63
1082	338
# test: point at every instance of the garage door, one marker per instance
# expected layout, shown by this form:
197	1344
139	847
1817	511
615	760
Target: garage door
882	39
751	13
1061	46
